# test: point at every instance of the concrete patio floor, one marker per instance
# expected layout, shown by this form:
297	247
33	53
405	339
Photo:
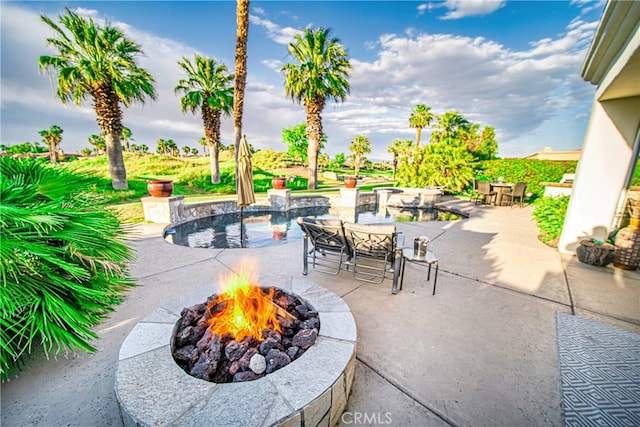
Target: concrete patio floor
482	351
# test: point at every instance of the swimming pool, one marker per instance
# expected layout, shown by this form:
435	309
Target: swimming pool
263	229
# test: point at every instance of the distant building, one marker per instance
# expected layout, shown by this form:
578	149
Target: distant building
548	154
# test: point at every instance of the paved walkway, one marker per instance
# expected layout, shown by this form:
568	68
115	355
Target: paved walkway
482	351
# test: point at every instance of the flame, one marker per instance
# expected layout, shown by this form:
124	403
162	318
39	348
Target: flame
247	311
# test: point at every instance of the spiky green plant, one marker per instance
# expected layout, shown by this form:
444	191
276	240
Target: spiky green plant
549	214
63	261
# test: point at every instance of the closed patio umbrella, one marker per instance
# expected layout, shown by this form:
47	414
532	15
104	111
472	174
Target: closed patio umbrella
246	196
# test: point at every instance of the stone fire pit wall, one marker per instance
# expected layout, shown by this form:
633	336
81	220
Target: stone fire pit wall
313	390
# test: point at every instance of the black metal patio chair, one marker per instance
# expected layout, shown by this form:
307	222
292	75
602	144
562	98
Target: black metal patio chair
329	251
376	252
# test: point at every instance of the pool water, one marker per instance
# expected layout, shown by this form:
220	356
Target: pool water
263	229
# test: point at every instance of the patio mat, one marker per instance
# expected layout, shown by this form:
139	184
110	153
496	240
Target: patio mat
600	373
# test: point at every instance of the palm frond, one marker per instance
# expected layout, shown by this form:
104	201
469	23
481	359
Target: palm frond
64	261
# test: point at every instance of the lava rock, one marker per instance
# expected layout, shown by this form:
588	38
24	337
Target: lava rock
258	363
207	338
305	338
222	375
246	358
205	367
234	367
312	323
303	311
275	360
189	335
292	352
267	345
188	316
245	376
183	354
234	350
270	333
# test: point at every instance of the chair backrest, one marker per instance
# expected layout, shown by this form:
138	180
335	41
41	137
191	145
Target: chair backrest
372	240
475	184
518	190
484	187
327	234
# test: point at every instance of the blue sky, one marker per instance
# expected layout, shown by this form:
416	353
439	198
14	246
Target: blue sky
512	65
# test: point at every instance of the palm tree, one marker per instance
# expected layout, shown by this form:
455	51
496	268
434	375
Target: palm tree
98	143
64	261
186	150
100	63
162	146
172	148
126	136
449	125
420	117
242	33
203	141
321	74
144	149
52	137
359	145
398	147
207	87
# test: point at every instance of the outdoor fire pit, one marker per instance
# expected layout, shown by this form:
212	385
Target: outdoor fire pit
243	333
313	388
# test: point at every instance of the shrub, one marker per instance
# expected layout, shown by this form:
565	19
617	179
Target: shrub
531	171
63	261
549	214
269	159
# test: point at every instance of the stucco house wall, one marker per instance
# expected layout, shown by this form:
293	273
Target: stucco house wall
612	140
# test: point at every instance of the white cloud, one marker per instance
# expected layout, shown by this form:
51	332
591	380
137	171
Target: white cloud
280	35
464	8
513	91
517	92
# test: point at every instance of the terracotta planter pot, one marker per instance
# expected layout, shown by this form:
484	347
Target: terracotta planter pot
279	183
350	181
160	188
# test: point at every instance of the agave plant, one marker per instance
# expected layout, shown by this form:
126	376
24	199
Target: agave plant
63	261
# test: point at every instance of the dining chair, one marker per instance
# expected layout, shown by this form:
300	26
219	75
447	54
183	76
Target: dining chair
473	195
516	193
485	193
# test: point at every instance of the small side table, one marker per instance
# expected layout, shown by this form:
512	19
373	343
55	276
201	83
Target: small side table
430	259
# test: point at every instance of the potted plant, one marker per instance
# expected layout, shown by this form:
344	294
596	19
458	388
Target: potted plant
160	187
350	181
279	182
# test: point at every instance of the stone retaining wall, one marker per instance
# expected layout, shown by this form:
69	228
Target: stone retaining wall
173	210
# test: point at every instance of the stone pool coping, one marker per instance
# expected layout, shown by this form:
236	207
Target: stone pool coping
313	390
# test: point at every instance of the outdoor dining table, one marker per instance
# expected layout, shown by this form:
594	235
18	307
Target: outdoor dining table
500	188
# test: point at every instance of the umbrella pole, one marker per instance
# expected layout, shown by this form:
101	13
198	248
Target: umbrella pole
241	238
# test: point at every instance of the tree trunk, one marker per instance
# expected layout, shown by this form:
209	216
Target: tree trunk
314	135
395	165
211	120
213	160
116	162
109	117
357	165
240	80
418	135
52	153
